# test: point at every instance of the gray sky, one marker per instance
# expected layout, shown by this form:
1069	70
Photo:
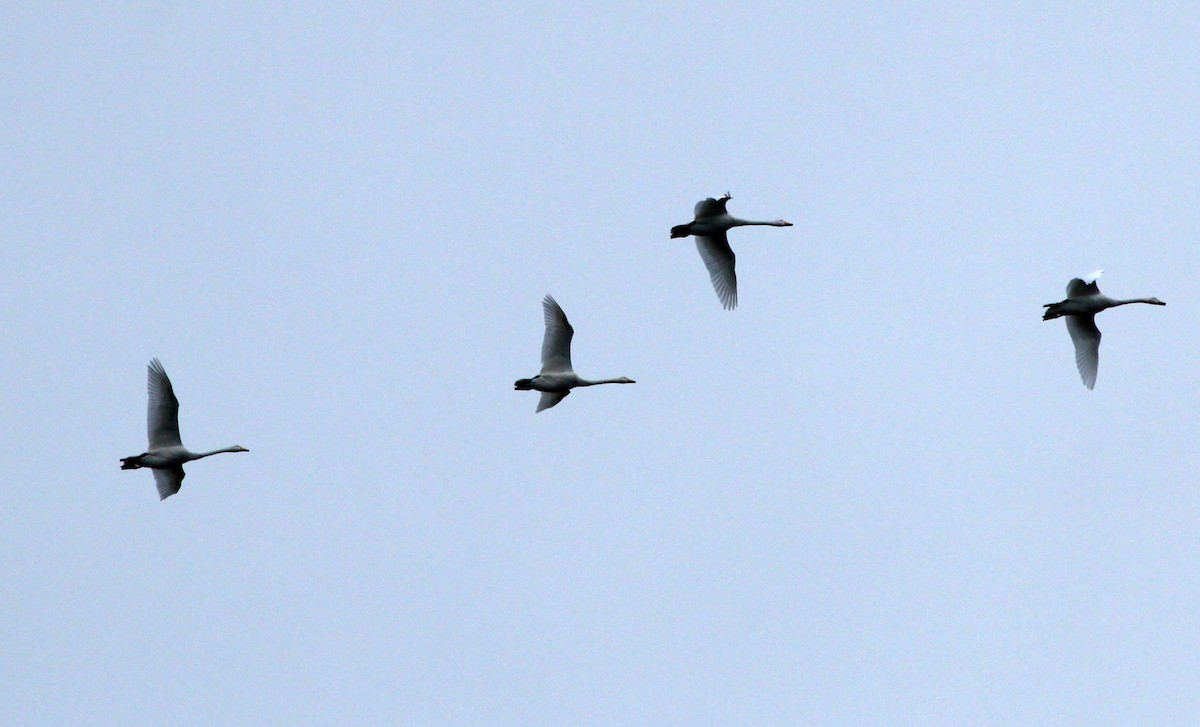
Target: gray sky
876	493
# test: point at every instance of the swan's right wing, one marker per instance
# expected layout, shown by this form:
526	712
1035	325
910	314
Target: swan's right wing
718	257
168	481
550	398
1085	286
556	345
1086	338
162	414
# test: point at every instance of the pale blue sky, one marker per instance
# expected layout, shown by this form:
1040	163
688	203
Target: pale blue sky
876	493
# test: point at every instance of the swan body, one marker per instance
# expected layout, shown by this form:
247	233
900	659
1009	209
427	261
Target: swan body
167	454
1084	301
558	377
711	223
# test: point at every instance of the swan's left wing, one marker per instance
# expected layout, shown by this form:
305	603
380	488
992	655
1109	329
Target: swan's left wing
550	398
718	257
710	207
1085	286
168	481
1086	337
556	345
162	412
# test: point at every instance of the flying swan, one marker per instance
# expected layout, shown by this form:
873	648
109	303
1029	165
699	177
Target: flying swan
709	227
557	377
167	453
1083	302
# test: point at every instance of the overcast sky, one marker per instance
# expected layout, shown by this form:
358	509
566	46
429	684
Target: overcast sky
876	493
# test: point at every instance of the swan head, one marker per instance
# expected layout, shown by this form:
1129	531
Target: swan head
625	380
680	231
1155	301
238	448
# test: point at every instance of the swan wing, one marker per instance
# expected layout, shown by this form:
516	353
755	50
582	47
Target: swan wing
556	345
1085	286
162	415
710	207
550	398
1086	338
168	481
718	257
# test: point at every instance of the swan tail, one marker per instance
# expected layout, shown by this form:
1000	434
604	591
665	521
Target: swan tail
681	231
132	463
523	385
1053	310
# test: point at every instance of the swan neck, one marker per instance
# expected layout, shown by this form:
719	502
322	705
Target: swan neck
1149	301
735	222
200	455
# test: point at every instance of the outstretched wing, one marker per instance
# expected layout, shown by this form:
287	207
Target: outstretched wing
556	345
1086	338
550	398
1085	286
718	257
162	415
168	481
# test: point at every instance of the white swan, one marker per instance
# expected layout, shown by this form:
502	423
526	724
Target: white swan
1083	302
557	377
167	453
709	227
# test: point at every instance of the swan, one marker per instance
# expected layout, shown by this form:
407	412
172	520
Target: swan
1083	302
709	227
167	453
557	377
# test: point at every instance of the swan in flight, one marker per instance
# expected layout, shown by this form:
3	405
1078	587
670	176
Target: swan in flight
167	453
1084	301
709	227
557	377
